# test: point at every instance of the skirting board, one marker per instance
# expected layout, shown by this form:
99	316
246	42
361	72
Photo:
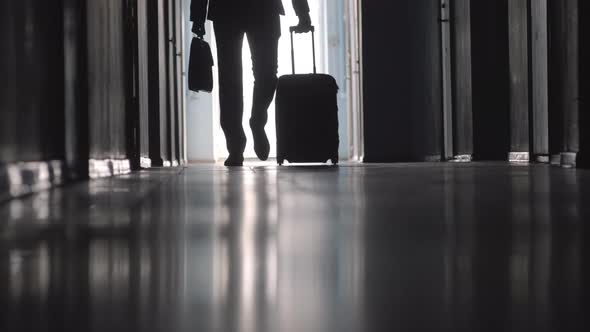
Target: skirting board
108	167
463	158
519	157
19	179
433	159
569	159
555	159
542	159
145	162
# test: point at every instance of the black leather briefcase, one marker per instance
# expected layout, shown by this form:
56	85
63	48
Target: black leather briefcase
200	71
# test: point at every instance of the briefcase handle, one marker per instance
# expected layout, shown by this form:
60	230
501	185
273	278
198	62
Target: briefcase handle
293	29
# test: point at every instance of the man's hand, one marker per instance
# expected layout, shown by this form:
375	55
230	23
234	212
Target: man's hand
199	29
304	24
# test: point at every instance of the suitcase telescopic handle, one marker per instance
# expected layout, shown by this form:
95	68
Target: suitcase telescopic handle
293	30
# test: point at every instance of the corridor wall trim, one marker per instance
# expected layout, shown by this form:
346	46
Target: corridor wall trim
24	178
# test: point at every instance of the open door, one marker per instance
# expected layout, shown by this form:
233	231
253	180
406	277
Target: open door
354	78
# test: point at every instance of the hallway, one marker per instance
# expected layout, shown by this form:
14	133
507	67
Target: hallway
402	247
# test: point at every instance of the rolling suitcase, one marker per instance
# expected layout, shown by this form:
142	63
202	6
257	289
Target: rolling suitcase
307	116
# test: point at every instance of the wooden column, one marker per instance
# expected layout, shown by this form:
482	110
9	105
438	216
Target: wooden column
76	89
32	139
540	80
518	22
564	81
143	83
463	83
108	87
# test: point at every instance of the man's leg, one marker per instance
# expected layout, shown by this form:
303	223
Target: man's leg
230	40
264	43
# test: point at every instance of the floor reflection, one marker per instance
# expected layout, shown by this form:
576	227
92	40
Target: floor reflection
382	248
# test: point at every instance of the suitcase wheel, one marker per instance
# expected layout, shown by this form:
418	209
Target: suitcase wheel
334	161
281	161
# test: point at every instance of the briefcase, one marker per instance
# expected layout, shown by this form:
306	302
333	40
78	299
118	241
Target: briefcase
307	116
200	71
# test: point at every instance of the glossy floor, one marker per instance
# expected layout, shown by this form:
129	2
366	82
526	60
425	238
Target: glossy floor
408	247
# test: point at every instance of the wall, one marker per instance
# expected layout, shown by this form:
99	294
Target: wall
462	78
31	63
108	85
584	156
519	80
32	123
564	108
402	80
76	95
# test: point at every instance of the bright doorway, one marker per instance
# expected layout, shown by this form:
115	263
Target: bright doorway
205	138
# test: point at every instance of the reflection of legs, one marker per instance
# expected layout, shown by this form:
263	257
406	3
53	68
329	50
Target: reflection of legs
264	43
229	59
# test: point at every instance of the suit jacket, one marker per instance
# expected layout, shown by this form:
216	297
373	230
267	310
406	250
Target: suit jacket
230	10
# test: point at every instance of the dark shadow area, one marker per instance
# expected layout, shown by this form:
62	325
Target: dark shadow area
491	90
584	156
402	103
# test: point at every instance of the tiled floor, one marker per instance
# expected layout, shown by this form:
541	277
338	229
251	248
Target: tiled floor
406	247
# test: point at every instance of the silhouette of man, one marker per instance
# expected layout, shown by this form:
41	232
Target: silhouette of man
259	20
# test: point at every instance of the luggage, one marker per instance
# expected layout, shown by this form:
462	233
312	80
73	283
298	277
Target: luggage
307	116
200	68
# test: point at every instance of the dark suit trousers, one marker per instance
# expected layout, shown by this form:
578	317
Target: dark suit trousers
263	38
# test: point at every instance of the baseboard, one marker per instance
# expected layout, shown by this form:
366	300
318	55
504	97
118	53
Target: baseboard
145	162
542	159
519	157
100	168
462	158
433	159
569	159
19	179
555	159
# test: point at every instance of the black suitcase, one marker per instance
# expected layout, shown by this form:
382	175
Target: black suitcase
307	116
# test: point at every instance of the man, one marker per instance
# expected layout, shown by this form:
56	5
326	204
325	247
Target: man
259	20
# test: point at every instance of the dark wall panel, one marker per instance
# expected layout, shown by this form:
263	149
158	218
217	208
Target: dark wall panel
564	76
584	15
518	23
32	67
491	91
402	80
540	77
8	87
107	81
463	84
76	88
143	77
